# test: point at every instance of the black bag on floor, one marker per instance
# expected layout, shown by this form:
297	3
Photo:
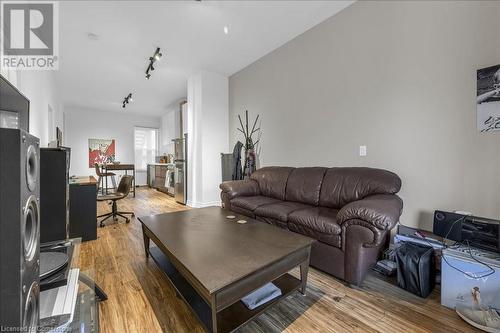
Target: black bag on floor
416	268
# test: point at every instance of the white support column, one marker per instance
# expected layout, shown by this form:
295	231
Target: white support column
208	136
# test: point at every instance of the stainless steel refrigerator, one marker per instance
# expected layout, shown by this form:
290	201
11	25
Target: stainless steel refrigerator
180	173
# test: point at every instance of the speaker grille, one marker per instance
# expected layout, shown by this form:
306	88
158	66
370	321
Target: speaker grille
440	216
30	228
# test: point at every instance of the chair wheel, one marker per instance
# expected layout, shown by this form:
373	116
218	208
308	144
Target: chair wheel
101	225
133	215
115	219
127	221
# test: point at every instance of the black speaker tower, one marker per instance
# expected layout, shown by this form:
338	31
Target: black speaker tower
19	230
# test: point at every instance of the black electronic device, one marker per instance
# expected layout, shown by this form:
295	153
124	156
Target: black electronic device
448	225
481	233
14	107
54	194
478	232
52	262
55	264
19	230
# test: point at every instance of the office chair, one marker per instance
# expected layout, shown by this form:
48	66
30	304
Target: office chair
121	192
100	178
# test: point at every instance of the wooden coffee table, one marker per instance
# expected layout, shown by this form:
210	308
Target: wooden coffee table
213	261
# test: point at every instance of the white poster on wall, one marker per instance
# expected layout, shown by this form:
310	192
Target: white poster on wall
488	99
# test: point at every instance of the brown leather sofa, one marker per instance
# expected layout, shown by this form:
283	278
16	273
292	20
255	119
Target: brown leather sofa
349	211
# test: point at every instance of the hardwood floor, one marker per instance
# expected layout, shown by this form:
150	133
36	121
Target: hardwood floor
142	300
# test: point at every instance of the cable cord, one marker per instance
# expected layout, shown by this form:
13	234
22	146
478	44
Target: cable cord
490	271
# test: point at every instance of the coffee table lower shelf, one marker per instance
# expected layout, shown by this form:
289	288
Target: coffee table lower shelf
230	318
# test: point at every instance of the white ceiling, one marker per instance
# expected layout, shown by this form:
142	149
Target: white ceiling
99	73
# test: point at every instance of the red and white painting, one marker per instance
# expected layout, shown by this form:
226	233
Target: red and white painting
101	151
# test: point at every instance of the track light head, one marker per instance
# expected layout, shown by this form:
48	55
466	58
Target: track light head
127	100
156	56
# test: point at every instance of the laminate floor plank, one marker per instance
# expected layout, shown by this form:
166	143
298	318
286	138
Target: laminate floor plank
142	300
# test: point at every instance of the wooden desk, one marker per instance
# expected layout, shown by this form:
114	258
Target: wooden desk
90	180
120	167
83	208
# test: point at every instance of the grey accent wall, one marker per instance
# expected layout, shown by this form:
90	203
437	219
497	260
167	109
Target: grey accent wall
398	77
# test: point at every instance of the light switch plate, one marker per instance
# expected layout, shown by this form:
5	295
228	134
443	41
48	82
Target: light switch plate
362	150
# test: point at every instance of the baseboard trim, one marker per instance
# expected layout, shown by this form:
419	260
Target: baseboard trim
202	204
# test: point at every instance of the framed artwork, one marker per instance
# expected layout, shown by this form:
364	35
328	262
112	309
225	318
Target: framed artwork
488	99
101	151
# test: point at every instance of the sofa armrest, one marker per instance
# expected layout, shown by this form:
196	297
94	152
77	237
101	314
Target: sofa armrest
240	188
381	210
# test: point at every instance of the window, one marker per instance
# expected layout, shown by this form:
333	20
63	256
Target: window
146	146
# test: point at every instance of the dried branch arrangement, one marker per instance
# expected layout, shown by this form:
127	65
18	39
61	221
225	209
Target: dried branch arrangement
249	166
249	144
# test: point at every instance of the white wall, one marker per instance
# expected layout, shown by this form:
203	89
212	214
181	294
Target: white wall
39	87
84	124
208	133
397	76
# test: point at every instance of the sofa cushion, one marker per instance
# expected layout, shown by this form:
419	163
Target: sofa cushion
317	222
251	203
304	185
278	210
330	239
343	185
272	181
321	219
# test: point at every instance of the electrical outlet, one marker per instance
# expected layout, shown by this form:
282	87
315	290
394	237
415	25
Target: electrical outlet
362	150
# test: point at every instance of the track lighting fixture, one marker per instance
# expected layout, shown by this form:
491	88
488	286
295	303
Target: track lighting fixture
152	60
127	100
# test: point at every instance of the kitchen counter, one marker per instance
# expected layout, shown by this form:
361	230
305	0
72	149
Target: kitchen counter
158	176
162	164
